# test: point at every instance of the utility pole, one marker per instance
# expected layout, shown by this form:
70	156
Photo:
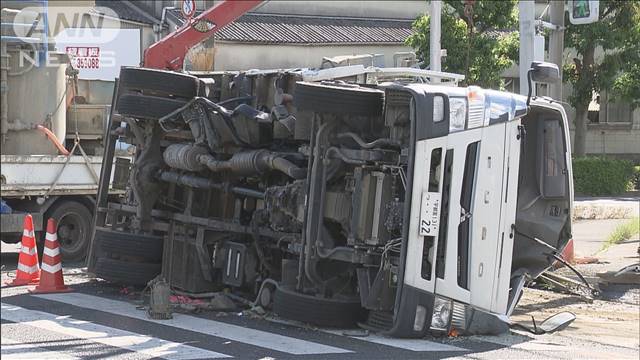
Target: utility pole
527	34
556	44
434	35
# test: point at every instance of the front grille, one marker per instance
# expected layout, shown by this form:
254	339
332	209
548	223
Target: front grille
459	317
476	114
379	321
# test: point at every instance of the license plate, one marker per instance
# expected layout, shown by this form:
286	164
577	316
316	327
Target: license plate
430	214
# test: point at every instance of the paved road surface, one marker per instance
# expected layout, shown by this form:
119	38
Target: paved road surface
97	321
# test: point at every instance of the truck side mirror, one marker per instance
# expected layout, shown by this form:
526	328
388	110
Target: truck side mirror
544	72
557	322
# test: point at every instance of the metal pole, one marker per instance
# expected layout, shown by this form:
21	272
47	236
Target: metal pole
556	44
527	33
434	36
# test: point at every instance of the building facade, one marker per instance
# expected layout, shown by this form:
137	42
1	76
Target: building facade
293	34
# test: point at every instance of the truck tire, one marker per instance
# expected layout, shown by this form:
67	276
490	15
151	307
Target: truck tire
74	222
147	107
126	272
148	247
338	99
158	82
293	305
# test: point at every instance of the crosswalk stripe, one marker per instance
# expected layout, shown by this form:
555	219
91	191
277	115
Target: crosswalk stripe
522	342
205	326
14	350
105	335
406	344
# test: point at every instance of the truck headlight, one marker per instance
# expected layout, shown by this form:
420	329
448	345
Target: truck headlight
457	113
441	314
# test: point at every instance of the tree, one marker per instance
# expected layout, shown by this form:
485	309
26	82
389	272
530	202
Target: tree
480	46
607	58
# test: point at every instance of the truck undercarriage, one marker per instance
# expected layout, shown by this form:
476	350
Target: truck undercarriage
311	195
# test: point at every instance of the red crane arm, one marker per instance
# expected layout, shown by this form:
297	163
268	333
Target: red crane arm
169	53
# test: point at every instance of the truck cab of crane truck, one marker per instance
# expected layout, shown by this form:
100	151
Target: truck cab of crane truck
491	175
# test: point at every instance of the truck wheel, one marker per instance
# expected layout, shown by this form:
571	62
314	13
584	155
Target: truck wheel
158	82
293	305
126	272
147	107
74	228
338	99
148	247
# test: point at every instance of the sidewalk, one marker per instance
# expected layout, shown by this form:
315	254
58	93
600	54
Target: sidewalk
623	207
590	235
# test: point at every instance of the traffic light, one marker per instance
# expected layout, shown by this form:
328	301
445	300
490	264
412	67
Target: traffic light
583	11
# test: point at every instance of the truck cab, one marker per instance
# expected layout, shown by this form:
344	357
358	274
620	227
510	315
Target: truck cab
488	176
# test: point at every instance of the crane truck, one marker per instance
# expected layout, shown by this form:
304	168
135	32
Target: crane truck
50	158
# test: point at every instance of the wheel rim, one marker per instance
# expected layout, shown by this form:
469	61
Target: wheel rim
71	231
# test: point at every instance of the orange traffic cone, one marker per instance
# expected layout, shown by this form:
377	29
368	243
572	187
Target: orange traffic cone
51	276
28	271
568	253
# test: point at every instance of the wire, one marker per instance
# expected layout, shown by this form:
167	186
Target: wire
566	263
393	245
555	255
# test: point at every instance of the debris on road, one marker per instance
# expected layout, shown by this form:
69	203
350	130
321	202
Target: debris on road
629	275
566	284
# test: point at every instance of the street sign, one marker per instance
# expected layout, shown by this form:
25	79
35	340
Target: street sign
583	11
188	8
99	53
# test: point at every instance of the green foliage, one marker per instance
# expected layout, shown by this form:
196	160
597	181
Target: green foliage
601	176
622	232
474	49
627	85
635	180
617	34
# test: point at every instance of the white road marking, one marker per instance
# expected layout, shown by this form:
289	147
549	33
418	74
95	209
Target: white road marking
522	342
407	344
14	350
205	326
105	335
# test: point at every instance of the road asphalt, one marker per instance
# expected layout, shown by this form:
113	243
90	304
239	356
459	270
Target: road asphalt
102	320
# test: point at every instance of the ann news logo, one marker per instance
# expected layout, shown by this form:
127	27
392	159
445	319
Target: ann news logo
87	27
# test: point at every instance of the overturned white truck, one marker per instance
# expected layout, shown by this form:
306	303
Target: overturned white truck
382	198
